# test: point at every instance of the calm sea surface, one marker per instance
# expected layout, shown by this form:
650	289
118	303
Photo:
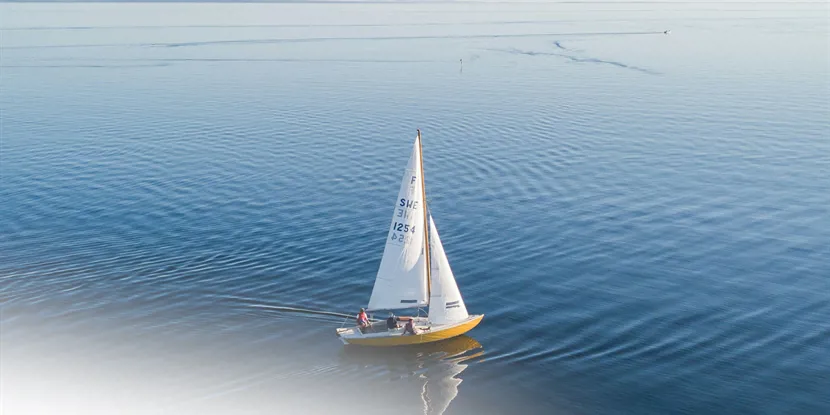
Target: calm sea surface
644	218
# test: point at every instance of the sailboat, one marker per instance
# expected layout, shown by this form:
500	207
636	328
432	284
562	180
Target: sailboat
414	273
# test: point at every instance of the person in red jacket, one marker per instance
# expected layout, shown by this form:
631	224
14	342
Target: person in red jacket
362	320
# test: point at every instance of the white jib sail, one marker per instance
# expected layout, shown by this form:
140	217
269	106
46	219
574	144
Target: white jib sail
445	302
401	281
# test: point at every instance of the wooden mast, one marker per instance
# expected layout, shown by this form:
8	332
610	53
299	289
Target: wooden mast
426	219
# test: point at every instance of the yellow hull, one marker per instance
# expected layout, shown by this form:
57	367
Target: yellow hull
424	337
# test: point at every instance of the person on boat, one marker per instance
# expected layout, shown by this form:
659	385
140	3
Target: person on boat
392	322
409	328
362	319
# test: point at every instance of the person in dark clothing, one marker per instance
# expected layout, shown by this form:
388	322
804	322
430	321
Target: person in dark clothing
392	321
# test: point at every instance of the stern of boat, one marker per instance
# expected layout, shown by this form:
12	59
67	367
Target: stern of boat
343	331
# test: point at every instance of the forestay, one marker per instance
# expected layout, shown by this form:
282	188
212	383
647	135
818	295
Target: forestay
401	281
445	302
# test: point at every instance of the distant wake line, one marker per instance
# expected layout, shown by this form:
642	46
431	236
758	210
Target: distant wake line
326	39
329	39
163	62
574	58
306	25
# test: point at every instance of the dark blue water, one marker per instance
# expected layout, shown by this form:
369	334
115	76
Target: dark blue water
644	218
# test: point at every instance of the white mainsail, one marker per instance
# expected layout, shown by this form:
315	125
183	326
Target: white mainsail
401	281
445	302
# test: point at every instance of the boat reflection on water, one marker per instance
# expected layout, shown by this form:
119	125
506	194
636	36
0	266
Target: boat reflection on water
434	366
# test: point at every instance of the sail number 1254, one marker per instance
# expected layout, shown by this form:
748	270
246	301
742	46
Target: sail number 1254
403	227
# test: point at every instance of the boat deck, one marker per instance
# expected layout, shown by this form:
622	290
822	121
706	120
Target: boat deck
378	329
378	335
